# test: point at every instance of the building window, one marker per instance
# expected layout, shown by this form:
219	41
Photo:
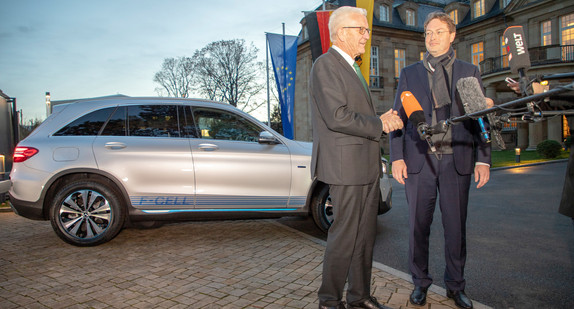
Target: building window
454	15
567	37
422	56
384	13
566	129
478	8
375	83
400	61
477	53
410	18
503	53
546	33
567	30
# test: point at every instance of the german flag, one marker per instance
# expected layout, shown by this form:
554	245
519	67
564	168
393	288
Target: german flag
318	29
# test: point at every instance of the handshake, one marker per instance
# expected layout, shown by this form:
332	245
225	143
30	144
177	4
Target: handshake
391	121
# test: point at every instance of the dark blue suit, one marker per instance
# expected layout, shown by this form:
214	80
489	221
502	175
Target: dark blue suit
429	178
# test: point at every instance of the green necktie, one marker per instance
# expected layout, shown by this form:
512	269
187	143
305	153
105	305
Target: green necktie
358	70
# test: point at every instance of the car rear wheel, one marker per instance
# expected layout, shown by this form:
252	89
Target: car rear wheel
86	213
322	208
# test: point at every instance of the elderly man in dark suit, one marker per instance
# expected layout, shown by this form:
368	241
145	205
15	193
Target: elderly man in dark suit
460	152
347	157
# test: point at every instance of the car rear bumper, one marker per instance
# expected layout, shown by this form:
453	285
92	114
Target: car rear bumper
30	210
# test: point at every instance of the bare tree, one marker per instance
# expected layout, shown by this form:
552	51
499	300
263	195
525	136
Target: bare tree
228	71
175	77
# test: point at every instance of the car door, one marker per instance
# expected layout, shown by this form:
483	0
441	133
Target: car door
144	147
233	171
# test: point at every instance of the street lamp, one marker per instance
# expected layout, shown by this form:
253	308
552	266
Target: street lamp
517	154
48	103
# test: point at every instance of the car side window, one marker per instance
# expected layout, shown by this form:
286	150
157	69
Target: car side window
144	120
89	124
223	125
153	121
187	123
116	126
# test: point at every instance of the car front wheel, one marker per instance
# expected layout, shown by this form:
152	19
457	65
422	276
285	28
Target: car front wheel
86	213
322	208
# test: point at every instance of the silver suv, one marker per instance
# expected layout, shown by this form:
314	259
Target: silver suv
95	166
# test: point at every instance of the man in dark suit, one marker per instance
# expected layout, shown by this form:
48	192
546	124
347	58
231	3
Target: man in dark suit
432	81
347	157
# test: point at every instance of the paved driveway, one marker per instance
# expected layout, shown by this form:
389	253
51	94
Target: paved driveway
216	264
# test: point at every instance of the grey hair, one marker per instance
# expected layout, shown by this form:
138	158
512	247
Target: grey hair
339	16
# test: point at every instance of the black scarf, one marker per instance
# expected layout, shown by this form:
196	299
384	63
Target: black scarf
440	80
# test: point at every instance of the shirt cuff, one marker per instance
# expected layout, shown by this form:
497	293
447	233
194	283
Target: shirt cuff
482	163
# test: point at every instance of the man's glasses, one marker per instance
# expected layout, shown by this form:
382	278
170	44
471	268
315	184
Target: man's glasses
429	33
361	30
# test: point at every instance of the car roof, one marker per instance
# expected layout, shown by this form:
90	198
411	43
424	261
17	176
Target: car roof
68	112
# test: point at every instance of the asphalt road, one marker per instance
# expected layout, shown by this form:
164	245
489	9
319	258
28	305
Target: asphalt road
520	249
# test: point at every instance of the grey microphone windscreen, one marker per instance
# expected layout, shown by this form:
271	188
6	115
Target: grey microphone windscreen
470	92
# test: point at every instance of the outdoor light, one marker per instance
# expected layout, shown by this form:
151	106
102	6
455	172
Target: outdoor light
517	154
48	109
2	167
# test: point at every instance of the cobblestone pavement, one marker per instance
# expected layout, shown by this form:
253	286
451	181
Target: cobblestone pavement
214	264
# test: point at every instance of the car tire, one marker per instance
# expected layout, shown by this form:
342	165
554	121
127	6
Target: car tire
322	208
87	223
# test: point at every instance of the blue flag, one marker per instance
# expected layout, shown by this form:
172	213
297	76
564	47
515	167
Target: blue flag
283	50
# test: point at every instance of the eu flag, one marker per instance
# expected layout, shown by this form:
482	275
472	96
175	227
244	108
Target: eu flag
283	50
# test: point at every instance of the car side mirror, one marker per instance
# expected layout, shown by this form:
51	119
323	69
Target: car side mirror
266	137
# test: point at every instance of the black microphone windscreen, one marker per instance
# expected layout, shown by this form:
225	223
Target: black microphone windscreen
515	42
470	92
417	117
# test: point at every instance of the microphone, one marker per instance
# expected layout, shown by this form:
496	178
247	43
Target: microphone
515	41
518	58
416	116
473	101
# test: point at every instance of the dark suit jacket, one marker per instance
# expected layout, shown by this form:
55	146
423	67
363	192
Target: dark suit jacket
346	128
406	143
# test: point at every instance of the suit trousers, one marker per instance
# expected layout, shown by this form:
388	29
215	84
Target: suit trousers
350	241
438	177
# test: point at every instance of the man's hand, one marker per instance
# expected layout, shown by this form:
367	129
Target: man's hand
489	103
391	121
399	169
515	86
481	174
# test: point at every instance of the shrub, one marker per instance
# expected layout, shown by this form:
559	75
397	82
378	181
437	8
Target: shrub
549	149
568	141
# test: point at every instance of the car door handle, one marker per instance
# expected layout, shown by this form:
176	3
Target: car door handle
115	145
208	147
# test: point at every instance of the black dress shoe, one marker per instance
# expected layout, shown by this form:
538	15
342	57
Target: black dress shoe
460	299
341	305
419	296
370	303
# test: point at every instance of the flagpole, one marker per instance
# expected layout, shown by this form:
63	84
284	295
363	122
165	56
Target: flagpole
284	70
267	66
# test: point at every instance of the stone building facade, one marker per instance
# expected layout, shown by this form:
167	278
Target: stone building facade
397	41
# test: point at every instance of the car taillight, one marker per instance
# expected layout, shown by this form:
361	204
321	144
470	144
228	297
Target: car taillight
22	154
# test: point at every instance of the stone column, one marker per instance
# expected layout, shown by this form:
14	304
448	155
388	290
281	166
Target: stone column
538	132
522	132
555	128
